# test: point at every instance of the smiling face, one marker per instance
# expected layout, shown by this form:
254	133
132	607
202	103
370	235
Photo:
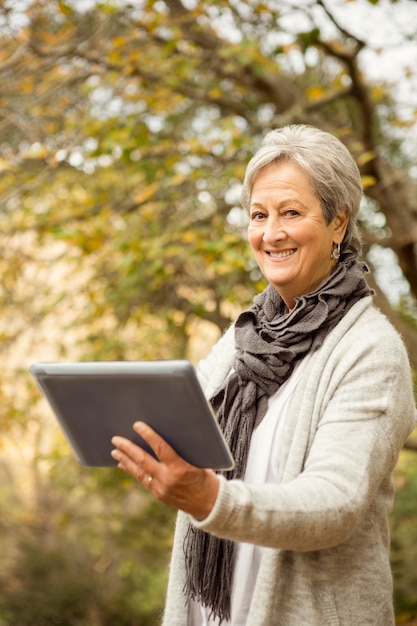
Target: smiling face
287	232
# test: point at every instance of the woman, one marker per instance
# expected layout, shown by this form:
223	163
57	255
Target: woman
312	388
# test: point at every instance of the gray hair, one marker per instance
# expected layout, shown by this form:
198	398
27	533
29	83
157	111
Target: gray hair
333	172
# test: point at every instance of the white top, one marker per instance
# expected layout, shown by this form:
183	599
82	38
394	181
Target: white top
262	467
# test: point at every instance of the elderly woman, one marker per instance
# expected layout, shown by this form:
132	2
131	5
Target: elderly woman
311	386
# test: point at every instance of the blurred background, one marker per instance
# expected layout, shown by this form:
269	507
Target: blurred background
125	129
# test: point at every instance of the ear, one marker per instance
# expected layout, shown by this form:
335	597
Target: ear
340	223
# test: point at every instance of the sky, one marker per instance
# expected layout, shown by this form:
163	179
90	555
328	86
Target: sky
390	31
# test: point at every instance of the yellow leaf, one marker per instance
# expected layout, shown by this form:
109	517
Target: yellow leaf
189	237
315	93
365	157
4	165
119	41
378	92
368	181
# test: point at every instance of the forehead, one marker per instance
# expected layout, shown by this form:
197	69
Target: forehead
282	179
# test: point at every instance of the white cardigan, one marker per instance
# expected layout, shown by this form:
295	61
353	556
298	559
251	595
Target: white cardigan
326	521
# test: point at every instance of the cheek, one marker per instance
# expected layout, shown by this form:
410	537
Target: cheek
254	237
319	251
318	240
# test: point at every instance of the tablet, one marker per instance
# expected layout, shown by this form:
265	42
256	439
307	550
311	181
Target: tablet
94	401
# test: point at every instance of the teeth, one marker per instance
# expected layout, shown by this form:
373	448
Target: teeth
280	255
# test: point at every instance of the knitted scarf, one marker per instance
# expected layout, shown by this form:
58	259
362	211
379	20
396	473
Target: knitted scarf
269	341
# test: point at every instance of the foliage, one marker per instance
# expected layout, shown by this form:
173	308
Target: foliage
92	551
125	130
404	538
137	171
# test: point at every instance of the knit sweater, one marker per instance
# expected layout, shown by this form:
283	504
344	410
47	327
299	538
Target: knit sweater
326	520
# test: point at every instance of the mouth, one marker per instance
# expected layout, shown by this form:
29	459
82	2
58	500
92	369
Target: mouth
281	255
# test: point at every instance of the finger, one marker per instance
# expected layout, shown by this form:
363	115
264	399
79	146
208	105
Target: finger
127	464
132	450
162	449
133	459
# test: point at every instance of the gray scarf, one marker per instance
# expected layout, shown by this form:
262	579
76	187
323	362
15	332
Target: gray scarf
270	341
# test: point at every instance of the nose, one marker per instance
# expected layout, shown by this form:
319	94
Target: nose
273	230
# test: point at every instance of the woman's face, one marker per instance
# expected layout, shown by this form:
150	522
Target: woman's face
287	232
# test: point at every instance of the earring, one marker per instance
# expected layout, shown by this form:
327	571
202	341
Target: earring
336	252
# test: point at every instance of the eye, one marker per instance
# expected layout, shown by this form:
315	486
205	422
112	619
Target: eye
290	213
257	216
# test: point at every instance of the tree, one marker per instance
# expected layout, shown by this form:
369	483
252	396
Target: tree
126	128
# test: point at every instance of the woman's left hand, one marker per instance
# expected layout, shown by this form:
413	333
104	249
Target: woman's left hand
171	479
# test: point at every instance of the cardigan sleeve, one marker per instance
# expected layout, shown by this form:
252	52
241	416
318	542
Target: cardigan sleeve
350	419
